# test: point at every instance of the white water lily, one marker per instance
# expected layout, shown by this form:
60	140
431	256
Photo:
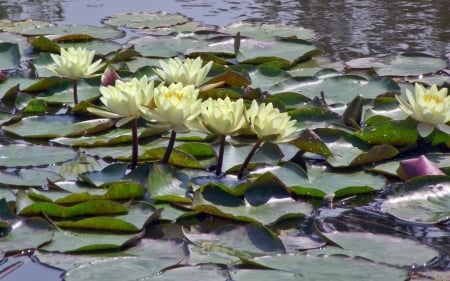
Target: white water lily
223	116
269	124
75	63
187	72
431	107
124	99
174	106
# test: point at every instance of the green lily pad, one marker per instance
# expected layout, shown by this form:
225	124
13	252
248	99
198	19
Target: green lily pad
27	177
320	181
249	240
27	234
20	155
165	46
138	216
166	183
335	267
20	26
78	242
99	32
146	20
337	89
51	126
407	64
9	56
27	207
380	248
421	200
148	259
264	31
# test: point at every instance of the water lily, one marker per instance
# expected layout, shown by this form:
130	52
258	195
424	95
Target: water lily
75	64
222	117
268	124
431	107
123	101
173	106
187	72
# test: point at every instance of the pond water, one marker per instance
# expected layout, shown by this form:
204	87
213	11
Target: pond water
347	29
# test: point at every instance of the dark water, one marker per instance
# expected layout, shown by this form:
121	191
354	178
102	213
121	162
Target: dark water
346	28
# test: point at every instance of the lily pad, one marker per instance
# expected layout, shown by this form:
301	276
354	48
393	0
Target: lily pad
337	89
334	267
407	64
144	20
51	126
264	31
20	155
421	200
99	32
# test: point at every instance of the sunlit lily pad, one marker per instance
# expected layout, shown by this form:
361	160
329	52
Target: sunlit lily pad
27	234
146	20
99	32
264	31
380	248
421	200
27	177
408	64
50	126
337	89
248	240
78	242
20	155
321	181
9	56
164	46
20	26
338	268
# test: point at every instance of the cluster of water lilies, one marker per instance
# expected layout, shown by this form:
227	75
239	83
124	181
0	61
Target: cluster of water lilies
175	103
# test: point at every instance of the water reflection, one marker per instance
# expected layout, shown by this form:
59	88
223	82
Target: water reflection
348	28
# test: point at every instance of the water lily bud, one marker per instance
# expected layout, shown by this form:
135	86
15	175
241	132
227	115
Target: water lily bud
416	167
110	76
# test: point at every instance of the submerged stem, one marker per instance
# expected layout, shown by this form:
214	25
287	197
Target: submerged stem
220	157
249	157
134	144
169	149
75	91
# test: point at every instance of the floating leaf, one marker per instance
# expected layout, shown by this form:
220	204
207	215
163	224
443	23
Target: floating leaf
167	184
27	177
51	126
249	240
146	20
20	155
337	89
338	268
407	64
380	248
421	200
264	31
100	32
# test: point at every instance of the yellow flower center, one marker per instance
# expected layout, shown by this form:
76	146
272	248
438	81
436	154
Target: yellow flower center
429	97
174	95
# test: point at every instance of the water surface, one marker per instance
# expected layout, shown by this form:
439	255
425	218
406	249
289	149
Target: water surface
346	28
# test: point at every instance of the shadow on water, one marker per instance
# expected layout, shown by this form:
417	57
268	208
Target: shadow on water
347	29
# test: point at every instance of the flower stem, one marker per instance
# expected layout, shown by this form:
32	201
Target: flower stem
220	157
249	157
169	149
75	92
134	144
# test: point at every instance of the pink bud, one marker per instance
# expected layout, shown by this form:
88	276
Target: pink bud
416	167
110	76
